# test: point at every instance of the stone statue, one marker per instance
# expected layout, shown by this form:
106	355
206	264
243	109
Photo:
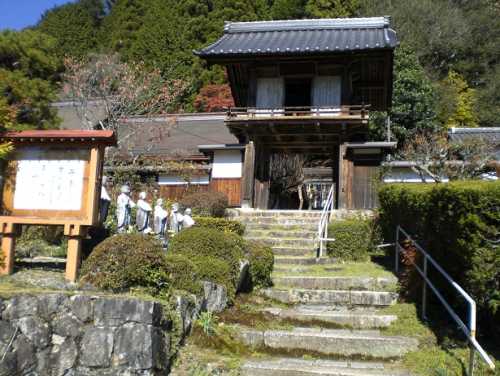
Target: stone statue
144	209
124	205
104	201
187	220
160	218
175	218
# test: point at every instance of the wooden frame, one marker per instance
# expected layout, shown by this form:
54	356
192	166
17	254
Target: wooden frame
52	144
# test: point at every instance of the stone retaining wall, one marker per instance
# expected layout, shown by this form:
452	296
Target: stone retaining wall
58	334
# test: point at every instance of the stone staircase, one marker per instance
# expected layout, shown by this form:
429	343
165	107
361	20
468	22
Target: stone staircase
338	323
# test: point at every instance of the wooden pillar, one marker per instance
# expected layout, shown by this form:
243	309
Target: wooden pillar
248	176
9	232
75	234
341	193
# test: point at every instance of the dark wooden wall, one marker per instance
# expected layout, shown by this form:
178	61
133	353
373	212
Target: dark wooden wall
230	187
360	186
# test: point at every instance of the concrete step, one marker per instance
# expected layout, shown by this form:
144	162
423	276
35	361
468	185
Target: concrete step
337	283
302	367
285	242
337	297
356	318
302	260
303	234
331	342
294	251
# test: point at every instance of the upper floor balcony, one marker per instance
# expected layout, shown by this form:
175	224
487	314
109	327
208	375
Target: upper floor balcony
345	114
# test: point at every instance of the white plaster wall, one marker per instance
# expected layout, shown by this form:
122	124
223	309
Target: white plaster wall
227	164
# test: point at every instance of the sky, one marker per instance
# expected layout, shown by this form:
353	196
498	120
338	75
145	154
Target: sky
17	14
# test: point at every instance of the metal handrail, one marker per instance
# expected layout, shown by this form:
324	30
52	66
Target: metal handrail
470	329
324	221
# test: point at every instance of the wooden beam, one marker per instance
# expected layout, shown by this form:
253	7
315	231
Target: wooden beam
248	176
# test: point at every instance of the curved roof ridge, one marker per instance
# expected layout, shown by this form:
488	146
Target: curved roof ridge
307	24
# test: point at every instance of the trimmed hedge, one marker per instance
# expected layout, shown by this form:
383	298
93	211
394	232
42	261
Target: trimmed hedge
221	224
261	259
217	271
457	224
206	204
353	239
183	273
127	260
206	243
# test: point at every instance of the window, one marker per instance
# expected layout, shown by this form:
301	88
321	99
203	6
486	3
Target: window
298	92
327	91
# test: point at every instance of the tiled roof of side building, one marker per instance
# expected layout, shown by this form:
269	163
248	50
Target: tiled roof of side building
491	134
302	37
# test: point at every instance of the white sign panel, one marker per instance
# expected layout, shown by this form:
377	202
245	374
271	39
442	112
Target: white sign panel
44	183
227	164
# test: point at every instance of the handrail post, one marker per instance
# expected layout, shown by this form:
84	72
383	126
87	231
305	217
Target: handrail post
396	251
424	291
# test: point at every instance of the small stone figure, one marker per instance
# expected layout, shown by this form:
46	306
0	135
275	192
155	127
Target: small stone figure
124	205
187	220
104	201
160	218
143	211
176	219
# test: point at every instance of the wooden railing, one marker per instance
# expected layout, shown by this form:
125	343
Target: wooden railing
351	111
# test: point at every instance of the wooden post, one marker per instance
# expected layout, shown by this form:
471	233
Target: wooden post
248	176
9	232
75	234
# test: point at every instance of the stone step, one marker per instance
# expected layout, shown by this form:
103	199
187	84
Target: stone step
356	318
276	227
278	213
303	367
337	297
294	251
313	222
303	234
302	260
329	342
284	242
337	283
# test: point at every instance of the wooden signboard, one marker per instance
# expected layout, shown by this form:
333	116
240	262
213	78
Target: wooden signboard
52	178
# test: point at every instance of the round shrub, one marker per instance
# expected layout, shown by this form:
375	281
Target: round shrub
183	273
353	239
261	259
127	260
207	204
221	224
205	242
216	271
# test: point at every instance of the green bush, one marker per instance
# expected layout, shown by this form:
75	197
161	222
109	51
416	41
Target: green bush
183	273
202	242
127	260
261	259
206	204
458	224
353	239
221	224
217	271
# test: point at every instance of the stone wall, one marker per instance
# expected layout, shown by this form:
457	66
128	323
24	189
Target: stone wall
58	334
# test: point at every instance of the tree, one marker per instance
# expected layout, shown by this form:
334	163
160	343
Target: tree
28	69
331	8
413	101
75	26
124	89
288	9
214	98
456	103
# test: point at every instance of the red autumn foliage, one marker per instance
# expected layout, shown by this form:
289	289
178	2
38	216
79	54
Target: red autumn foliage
213	98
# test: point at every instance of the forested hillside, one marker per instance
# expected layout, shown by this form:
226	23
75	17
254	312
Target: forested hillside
447	67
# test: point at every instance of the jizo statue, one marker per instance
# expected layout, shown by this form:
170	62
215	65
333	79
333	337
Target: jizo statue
160	218
124	205
187	220
144	210
176	218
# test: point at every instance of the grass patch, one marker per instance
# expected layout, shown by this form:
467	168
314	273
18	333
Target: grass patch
438	355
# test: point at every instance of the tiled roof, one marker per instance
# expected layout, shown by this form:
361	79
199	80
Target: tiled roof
491	134
302	37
